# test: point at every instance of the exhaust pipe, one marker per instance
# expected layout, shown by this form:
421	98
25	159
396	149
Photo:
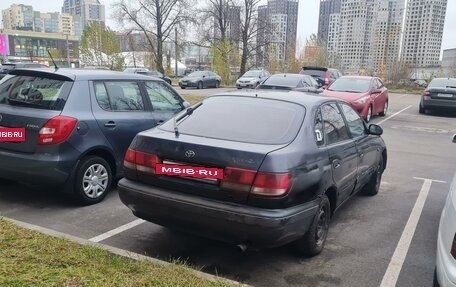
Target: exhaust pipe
242	247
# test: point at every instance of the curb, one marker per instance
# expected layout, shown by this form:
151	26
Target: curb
115	250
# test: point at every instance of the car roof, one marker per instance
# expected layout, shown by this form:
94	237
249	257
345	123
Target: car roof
82	74
291	75
358	77
305	99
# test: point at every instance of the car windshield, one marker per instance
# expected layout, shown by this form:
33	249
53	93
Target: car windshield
196	74
243	119
36	92
351	85
443	83
282	81
314	73
6	67
251	74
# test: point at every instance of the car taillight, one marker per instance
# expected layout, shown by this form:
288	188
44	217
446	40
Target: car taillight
426	93
258	183
56	130
326	78
453	247
141	161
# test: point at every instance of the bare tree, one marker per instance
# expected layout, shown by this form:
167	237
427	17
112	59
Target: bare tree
157	19
249	31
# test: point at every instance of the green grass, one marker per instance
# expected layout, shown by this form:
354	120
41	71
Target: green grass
32	259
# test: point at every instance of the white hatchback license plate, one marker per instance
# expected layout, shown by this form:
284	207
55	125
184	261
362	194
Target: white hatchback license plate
445	95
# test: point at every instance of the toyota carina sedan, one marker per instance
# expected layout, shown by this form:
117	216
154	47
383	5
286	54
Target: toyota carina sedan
254	168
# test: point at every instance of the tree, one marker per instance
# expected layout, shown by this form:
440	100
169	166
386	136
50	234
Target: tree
55	53
157	19
453	70
316	52
249	31
99	47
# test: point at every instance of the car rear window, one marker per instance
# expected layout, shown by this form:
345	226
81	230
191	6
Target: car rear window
314	73
443	83
350	85
241	119
281	81
34	92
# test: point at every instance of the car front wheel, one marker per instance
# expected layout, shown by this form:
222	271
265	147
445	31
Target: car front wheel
200	85
93	180
385	109
314	239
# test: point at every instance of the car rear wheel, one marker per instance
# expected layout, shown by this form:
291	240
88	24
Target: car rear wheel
217	84
373	186
421	109
93	180
200	85
314	239
385	109
183	88
369	114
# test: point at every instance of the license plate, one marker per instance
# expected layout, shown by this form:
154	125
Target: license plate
189	171
445	95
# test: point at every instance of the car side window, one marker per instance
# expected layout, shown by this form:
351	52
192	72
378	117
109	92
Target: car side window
162	97
119	96
313	82
333	124
354	121
319	134
379	84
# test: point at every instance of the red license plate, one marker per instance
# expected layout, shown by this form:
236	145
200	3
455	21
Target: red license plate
12	134
189	171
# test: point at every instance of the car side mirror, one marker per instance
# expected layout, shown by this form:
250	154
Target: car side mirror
376	91
186	104
454	138
375	130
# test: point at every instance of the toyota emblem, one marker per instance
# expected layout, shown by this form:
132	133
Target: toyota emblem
189	153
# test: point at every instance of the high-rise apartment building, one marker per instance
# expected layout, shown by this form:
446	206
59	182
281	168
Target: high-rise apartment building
328	8
23	17
423	32
233	25
88	10
277	24
365	35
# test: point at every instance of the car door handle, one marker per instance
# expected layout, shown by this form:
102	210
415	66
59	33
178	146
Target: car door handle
336	163
110	124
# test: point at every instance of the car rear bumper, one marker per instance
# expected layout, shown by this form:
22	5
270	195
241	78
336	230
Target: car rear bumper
228	222
41	168
429	103
188	84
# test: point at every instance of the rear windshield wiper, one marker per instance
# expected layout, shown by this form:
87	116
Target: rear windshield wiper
19	102
187	113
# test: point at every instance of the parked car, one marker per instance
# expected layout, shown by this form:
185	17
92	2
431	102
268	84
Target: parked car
445	271
259	168
200	80
144	71
288	82
440	94
5	68
78	125
251	79
324	76
367	95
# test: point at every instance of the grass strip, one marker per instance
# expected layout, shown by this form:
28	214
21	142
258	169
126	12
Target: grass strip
31	259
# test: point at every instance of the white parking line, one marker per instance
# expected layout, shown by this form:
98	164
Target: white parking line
395	265
116	231
393	115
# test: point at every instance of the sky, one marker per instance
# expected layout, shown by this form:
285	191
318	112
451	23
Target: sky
307	18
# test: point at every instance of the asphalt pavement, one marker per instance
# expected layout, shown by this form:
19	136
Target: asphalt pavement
365	234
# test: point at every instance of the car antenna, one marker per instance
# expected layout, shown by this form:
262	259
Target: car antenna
53	62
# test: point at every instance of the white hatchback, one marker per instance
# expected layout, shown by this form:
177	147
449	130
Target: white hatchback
445	275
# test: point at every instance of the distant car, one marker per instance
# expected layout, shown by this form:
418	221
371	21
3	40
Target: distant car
289	82
440	94
201	80
78	125
156	74
445	271
251	79
135	70
324	76
367	95
254	168
7	67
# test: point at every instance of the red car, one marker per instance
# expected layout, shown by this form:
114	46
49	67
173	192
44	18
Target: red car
367	95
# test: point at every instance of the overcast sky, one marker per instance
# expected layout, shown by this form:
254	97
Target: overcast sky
307	23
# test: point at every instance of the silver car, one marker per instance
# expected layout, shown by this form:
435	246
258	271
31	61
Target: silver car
251	79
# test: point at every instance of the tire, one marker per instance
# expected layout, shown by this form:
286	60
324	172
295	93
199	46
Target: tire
6	181
435	282
183	88
313	241
200	85
93	180
369	114
373	186
217	84
385	109
421	109
169	82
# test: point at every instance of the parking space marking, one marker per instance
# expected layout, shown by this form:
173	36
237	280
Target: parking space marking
393	115
117	230
395	265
